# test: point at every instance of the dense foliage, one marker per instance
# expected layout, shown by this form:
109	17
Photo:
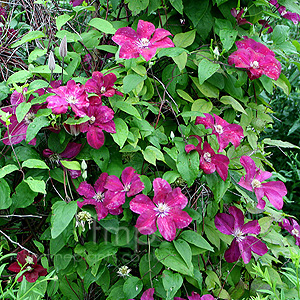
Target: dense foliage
141	153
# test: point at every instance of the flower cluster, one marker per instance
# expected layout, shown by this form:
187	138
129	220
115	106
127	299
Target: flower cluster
28	262
145	41
256	58
294	17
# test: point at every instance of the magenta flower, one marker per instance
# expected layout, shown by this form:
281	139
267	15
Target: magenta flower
3	15
196	296
101	118
77	2
165	212
209	160
242	244
72	95
99	197
265	24
292	227
131	185
238	16
224	131
102	85
71	151
140	42
253	181
28	262
147	295
294	17
256	58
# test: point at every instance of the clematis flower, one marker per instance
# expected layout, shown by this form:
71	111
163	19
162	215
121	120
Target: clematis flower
99	197
70	152
224	131
131	185
72	95
101	118
196	296
242	244
164	212
292	227
265	24
238	16
140	42
256	58
294	17
209	160
253	181
77	2
147	295
28	262
102	85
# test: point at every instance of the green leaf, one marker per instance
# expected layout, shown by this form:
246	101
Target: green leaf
185	95
136	6
132	287
7	170
217	185
101	157
62	215
177	4
206	69
46	70
62	20
185	39
34	164
283	83
23	196
171	52
228	37
38	186
131	81
185	252
235	104
33	35
5	200
108	48
279	143
102	25
181	60
62	259
151	154
71	165
202	106
280	34
121	134
168	256
21	110
37	84
35	126
128	108
73	121
172	283
206	88
171	176
196	239
195	10
19	77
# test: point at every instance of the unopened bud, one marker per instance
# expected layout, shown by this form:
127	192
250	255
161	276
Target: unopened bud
63	47
83	165
51	62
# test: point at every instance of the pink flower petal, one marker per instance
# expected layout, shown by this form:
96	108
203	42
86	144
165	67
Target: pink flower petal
159	35
238	217
99	184
95	137
167	228
148	295
176	199
181	218
257	246
251	227
113	184
245	249
146	222
86	190
125	35
233	253
72	150
141	203
145	29
275	191
161	185
224	223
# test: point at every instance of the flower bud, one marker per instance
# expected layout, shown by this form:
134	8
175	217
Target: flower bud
63	47
51	62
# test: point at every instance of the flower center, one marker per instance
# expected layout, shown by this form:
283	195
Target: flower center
295	232
71	100
124	271
29	269
103	90
29	118
54	158
92	120
207	157
219	129
143	43
284	12
162	209
126	187
238	234
254	64
255	183
29	260
99	197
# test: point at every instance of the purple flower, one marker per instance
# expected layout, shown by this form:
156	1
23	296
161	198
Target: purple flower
274	2
99	197
140	42
28	262
238	16
76	2
294	17
292	227
102	85
147	295
242	244
165	212
196	296
101	118
224	131
131	185
265	24
3	15
72	95
209	160
256	58
253	181
69	153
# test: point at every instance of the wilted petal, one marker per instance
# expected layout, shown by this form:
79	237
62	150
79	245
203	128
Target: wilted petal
141	203
233	253
167	227
224	223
